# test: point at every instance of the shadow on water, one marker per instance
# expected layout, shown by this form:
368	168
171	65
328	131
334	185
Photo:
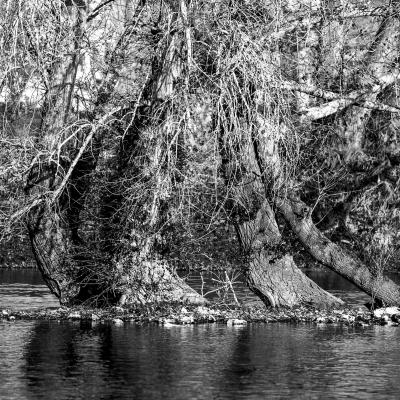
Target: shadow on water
76	361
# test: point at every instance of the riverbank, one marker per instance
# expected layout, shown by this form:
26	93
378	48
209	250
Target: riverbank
178	315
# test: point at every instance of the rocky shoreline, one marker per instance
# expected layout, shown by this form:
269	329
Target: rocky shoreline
178	315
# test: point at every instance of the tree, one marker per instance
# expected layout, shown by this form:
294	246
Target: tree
250	112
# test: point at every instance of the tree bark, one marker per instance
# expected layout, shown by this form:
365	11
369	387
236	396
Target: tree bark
270	271
143	274
382	290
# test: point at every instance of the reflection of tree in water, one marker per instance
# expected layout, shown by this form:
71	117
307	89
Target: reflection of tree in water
72	360
275	360
63	361
209	362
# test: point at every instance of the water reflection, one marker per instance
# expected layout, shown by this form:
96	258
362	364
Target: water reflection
67	360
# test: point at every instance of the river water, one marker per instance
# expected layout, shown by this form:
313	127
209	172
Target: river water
76	360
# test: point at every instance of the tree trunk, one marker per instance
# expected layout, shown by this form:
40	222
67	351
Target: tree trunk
270	272
143	274
52	236
382	290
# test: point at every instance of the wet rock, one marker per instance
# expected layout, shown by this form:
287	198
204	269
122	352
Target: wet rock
74	315
4	313
379	312
11	318
117	321
236	321
201	310
186	319
165	321
347	318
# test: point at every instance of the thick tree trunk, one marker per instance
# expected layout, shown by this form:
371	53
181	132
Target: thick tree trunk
143	275
145	279
283	284
382	290
270	272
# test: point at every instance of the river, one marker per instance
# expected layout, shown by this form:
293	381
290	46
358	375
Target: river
77	360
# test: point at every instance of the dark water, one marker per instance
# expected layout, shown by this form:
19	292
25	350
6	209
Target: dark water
42	360
66	360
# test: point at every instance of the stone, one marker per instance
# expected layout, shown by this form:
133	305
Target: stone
379	312
347	318
11	318
74	315
235	321
201	310
186	319
118	321
167	321
4	313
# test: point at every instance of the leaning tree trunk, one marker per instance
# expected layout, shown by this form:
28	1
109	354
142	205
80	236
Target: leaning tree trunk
298	215
270	271
272	274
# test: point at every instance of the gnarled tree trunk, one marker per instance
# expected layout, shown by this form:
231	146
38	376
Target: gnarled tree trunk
298	215
143	274
270	271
